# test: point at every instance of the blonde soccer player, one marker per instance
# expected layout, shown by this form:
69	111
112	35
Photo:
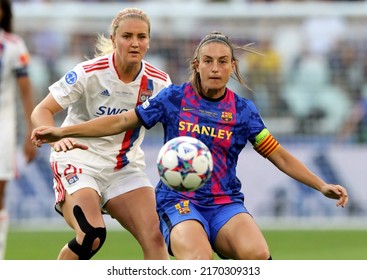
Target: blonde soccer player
110	175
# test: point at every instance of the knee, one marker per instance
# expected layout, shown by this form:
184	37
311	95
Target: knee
256	254
151	238
261	255
93	240
195	255
201	255
150	232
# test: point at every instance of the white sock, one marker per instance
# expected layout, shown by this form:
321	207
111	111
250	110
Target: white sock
4	224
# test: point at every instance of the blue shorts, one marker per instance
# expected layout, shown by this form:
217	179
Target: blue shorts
211	217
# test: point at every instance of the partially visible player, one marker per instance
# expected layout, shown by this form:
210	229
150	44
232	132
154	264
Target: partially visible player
110	174
14	59
213	218
355	126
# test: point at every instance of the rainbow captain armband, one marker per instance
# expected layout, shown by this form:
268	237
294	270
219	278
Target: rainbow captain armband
265	143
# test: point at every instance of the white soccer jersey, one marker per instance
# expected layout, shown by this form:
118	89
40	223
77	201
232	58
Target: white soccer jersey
93	89
14	59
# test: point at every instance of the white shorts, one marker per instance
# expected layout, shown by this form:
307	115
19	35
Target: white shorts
108	184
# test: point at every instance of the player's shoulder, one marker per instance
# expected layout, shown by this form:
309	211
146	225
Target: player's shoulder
239	97
12	38
241	101
177	89
96	64
155	73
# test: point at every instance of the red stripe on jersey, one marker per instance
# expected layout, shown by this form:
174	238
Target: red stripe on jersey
156	73
126	142
98	65
11	37
97	68
228	105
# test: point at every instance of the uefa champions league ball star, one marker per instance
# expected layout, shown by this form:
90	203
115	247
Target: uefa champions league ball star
184	164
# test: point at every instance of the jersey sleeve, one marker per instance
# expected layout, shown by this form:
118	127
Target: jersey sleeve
260	137
70	88
21	59
265	143
152	110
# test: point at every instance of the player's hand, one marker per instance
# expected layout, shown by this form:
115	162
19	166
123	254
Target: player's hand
30	151
68	144
336	192
45	134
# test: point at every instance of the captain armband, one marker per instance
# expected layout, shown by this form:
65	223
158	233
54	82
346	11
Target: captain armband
265	143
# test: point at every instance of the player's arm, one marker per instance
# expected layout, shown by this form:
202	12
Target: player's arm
26	97
102	126
43	113
294	168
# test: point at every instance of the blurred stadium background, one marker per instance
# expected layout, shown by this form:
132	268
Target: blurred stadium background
313	73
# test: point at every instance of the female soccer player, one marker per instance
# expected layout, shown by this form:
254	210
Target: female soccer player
213	218
110	174
14	59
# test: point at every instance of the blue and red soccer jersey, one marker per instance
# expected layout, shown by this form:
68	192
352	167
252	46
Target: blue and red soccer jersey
224	125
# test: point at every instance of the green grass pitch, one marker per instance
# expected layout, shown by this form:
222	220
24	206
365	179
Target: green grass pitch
120	245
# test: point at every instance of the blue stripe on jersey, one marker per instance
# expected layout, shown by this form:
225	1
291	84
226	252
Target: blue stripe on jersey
150	84
129	139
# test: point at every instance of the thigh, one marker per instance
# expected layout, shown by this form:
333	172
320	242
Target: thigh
89	201
70	178
135	210
189	241
186	231
241	238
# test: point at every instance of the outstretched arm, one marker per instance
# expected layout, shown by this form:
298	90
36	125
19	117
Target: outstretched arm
102	126
291	166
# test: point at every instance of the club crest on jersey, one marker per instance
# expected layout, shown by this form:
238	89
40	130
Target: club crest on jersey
227	116
72	178
144	95
183	207
71	77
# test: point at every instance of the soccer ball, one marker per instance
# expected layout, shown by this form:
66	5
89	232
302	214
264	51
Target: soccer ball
184	164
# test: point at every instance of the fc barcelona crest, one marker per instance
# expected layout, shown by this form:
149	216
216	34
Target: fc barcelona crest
227	116
183	207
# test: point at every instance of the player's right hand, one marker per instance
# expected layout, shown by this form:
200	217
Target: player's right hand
68	144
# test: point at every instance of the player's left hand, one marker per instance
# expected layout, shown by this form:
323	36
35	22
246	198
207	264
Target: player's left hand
336	192
45	134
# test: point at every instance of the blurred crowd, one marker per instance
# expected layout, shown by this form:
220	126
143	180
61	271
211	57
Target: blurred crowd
307	82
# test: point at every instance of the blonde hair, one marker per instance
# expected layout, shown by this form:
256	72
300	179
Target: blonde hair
104	44
215	36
